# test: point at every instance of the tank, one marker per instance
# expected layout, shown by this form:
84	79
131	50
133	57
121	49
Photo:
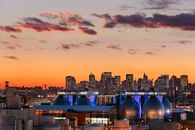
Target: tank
129	108
83	101
153	108
167	106
61	100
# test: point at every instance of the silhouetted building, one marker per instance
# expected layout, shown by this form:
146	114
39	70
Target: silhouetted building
70	82
129	80
117	80
91	78
106	79
162	82
183	82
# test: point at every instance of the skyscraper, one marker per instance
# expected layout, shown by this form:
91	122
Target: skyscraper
91	78
128	82
117	80
106	79
183	82
162	82
129	77
70	82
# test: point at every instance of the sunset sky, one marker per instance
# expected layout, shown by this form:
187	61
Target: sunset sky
42	41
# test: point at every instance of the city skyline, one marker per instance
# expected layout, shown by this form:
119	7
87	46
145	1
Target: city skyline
122	79
42	44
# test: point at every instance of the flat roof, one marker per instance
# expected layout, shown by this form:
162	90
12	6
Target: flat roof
121	93
73	108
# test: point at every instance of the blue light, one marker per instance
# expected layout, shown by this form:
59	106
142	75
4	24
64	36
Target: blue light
138	99
93	100
122	98
160	98
70	99
114	99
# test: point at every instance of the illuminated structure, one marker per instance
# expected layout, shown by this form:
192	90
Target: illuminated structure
153	108
79	106
130	108
90	107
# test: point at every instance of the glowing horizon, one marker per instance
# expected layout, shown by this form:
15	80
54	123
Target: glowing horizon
42	44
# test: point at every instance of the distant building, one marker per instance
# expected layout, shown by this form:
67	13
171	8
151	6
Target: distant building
129	80
6	84
70	82
144	83
91	78
117	80
129	77
183	82
13	101
106	79
174	84
162	82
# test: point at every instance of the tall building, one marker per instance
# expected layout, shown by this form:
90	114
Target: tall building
145	84
174	84
129	80
106	79
70	82
162	82
183	82
91	78
117	80
129	77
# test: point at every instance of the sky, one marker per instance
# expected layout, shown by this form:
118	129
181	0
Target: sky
42	41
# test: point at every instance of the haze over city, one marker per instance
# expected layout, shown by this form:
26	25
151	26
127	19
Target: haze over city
43	41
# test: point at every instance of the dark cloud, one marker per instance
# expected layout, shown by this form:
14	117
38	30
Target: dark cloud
181	21
67	47
67	22
13	36
40	25
87	30
86	23
11	57
185	42
105	16
149	53
10	29
90	43
67	18
131	51
115	47
62	21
